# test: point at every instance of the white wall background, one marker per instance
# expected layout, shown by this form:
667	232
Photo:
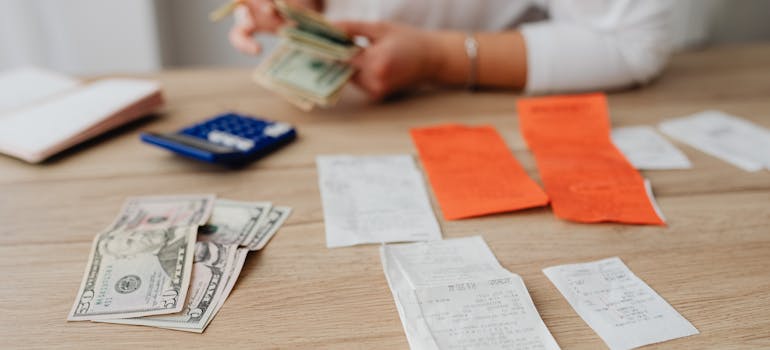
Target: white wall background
79	36
110	36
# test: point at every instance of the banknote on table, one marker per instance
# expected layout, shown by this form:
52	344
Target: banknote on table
136	272
308	67
275	220
232	278
235	222
211	273
147	269
233	274
155	212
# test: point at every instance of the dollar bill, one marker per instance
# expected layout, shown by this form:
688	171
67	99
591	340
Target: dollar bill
233	274
319	45
275	220
155	212
212	269
234	222
286	93
309	67
312	22
310	76
134	273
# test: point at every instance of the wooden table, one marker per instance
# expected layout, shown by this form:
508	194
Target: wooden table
712	262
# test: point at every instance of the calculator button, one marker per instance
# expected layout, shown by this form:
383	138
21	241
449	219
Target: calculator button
230	140
276	129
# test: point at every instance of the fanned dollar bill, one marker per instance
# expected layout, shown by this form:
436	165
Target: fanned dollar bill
133	273
295	71
309	67
275	220
235	222
212	269
235	272
153	212
147	268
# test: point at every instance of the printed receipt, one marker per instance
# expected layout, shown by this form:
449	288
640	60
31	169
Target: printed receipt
453	294
374	199
647	150
491	314
623	310
732	139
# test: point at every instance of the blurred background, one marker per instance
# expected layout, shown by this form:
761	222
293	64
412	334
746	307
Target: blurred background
89	37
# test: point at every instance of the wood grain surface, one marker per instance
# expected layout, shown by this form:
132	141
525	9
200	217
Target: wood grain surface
712	261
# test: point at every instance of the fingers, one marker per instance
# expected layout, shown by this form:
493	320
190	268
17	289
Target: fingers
369	79
371	30
241	38
264	15
251	17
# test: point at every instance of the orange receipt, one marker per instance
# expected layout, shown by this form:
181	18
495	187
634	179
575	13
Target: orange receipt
473	173
585	175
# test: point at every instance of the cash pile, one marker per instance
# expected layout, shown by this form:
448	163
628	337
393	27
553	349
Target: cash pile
308	67
171	261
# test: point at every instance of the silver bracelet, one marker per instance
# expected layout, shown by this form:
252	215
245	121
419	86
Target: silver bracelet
472	50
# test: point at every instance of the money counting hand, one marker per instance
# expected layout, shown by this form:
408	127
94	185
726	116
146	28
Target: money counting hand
229	139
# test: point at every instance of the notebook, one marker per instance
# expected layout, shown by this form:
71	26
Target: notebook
43	113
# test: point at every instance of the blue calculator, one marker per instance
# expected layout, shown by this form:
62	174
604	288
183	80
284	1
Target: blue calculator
230	139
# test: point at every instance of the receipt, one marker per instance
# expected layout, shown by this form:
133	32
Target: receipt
427	280
647	150
484	315
623	310
374	199
729	138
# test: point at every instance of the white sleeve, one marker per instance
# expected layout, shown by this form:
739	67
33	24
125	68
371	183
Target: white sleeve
360	10
596	45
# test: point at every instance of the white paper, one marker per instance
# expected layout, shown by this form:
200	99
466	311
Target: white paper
647	150
623	310
24	86
420	270
374	199
484	315
653	201
38	131
729	138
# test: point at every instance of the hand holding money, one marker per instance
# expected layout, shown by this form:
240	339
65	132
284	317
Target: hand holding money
400	57
309	67
254	16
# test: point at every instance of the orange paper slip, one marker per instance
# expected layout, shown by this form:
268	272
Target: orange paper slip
473	173
586	176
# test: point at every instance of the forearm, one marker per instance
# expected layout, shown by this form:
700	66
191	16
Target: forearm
501	59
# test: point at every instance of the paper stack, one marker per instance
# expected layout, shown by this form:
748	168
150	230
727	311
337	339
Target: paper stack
44	113
453	294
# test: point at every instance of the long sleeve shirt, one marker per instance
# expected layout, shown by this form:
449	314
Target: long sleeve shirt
576	45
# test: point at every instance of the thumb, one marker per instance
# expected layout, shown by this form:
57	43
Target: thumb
371	30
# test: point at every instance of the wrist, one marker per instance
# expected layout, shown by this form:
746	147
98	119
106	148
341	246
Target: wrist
449	63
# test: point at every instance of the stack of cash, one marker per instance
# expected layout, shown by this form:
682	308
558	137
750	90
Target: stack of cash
308	67
171	261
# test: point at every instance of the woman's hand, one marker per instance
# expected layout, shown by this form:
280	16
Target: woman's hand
254	16
398	57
